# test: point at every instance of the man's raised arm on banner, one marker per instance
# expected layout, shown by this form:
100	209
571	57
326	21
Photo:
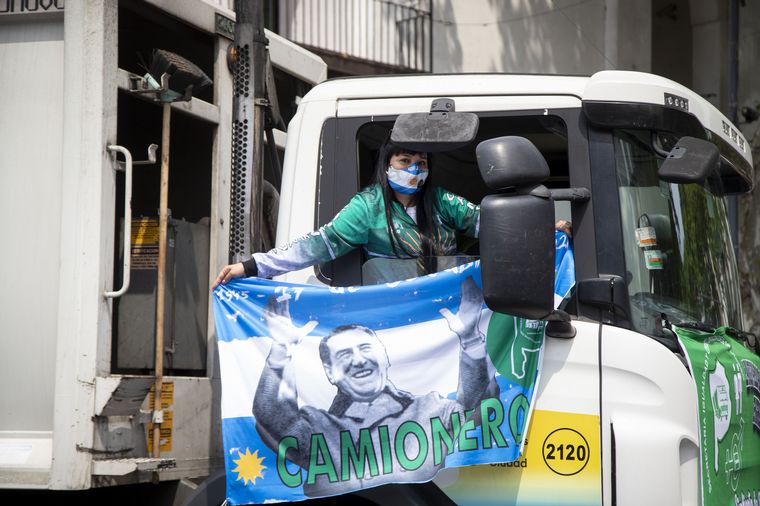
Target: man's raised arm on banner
276	403
476	381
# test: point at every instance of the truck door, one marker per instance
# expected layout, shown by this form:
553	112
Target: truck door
563	439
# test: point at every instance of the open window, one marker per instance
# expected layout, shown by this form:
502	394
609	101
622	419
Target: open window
139	123
349	155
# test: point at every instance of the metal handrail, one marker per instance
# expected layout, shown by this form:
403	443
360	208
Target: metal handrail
127	221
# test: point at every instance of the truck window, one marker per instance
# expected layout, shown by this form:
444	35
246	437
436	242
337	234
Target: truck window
349	153
679	260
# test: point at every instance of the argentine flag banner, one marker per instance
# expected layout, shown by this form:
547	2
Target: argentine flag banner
330	390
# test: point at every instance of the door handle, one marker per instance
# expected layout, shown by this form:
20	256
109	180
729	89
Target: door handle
127	221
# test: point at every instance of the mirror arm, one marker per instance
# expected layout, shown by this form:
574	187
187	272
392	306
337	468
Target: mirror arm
572	194
537	190
563	194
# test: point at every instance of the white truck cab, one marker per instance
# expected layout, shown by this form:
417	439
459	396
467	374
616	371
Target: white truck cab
616	414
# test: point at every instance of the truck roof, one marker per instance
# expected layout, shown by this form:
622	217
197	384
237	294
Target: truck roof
425	85
614	86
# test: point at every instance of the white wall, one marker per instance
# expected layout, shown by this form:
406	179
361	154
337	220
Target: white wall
31	135
710	45
672	40
633	35
534	36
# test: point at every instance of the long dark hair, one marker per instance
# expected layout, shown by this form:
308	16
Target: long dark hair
424	200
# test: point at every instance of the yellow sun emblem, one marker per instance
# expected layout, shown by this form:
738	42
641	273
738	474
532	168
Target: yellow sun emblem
249	466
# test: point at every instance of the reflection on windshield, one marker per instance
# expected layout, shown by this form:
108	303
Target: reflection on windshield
387	270
678	250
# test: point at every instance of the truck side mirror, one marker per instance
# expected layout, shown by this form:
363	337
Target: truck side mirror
690	161
516	229
441	129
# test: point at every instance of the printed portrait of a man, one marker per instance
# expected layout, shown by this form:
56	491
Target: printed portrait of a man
373	432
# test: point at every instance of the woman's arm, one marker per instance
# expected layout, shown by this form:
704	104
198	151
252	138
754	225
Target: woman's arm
346	231
464	216
458	212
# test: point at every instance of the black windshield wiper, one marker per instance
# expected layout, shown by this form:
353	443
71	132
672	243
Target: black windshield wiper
701	326
667	336
748	339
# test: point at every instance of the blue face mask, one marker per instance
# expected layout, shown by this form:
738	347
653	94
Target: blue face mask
408	180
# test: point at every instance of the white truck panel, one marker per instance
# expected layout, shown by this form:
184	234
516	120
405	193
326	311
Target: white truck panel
348	108
446	85
295	60
296	217
569	380
25	458
31	59
86	251
60	80
651	401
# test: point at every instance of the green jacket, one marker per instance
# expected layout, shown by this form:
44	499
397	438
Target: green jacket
362	224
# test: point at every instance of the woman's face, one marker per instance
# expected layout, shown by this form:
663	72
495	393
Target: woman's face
403	160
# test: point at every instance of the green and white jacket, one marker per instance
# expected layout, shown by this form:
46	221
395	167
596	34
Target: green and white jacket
362	224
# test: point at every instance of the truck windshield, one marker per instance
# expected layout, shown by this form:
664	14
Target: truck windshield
678	252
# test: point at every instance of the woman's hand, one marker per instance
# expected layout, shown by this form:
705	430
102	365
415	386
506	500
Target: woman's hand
285	335
227	273
564	226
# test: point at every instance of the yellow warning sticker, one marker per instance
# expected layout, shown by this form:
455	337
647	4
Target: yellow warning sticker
166	433
144	250
167	395
145	231
167	400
